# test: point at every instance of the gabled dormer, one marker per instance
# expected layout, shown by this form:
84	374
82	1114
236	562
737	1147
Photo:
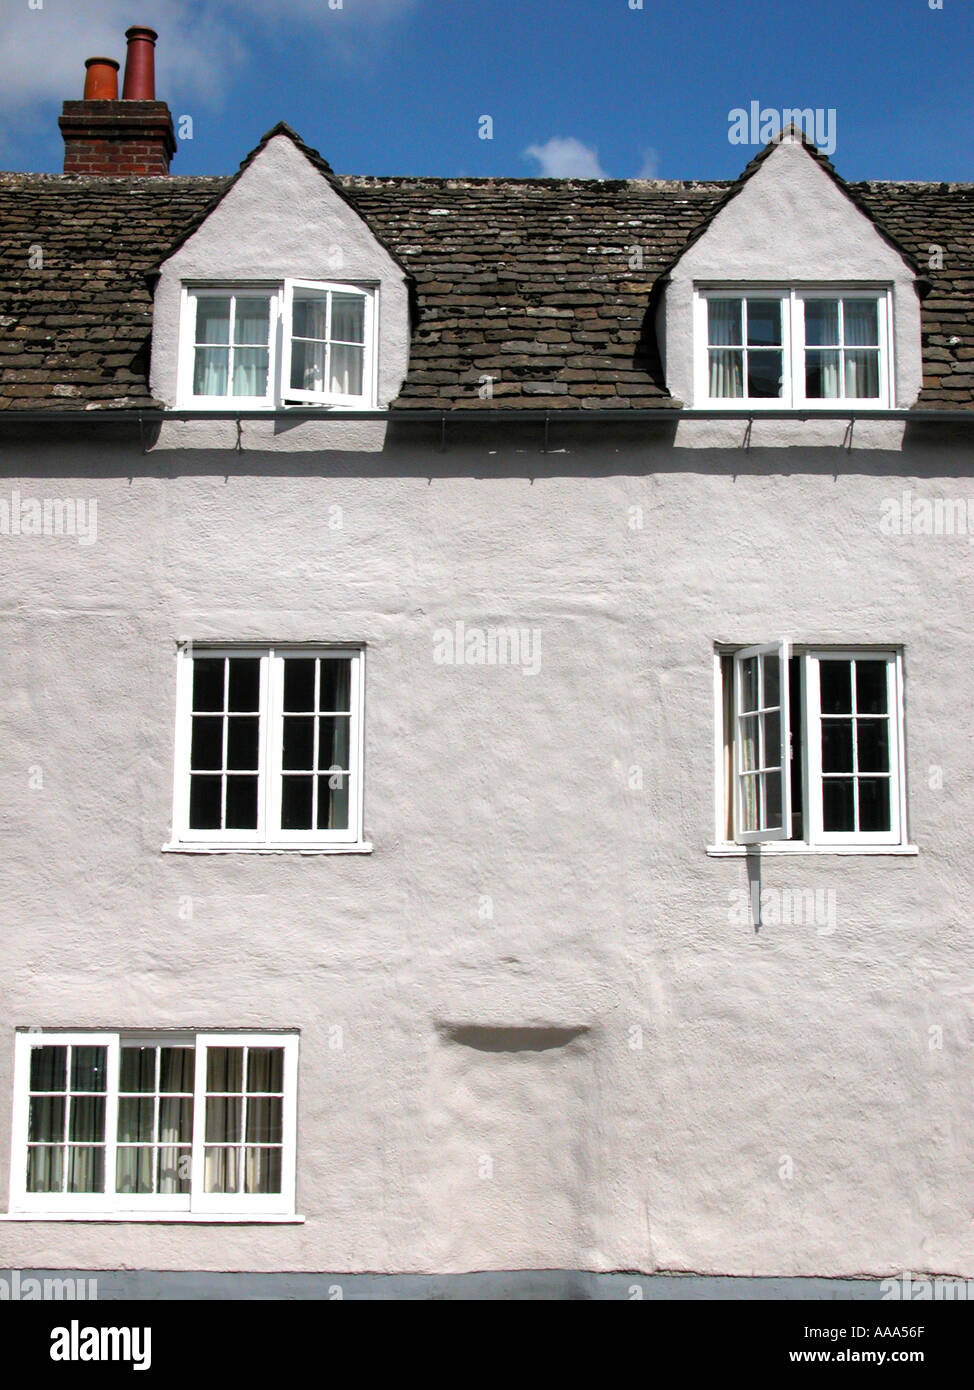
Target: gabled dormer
791	297
282	296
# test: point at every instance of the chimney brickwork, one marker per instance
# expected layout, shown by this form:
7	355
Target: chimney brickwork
108	137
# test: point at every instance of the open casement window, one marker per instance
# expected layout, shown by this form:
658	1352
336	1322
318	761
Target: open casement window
269	746
761	744
328	344
793	348
154	1123
841	741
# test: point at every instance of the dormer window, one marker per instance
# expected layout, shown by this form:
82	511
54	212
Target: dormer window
795	349
256	346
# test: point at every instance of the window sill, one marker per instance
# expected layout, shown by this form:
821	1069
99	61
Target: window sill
786	847
179	1218
362	847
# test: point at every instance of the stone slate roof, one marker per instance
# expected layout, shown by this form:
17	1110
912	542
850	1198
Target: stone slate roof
533	282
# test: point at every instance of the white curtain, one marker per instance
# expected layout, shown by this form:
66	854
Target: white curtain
861	320
726	362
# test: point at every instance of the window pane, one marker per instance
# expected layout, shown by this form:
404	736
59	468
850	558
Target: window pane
309	315
208	673
822	322
307	366
173	1170
86	1170
749	742
771	672
137	1069
224	1069
837	745
221	1170
860	322
176	1069
872	745
213	319
347	370
210	371
299	742
45	1170
837	804
206	750
835	678
862	374
250	371
726	373
822	376
89	1068
724	322
205	803
749	683
252	324
750	802
133	1170
333	733
176	1119
223	1115
336	685
772	740
265	1121
245	684
136	1119
874	808
296	807
763	374
87	1119
772	800
265	1069
48	1068
46	1119
764	322
871	687
299	683
333	802
241	803
263	1171
347	318
242	740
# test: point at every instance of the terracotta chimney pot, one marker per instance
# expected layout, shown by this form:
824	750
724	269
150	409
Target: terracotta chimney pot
140	65
101	79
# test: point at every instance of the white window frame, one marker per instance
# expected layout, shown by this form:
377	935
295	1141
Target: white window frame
136	1205
365	401
279	394
187	345
793	299
779	651
268	834
815	838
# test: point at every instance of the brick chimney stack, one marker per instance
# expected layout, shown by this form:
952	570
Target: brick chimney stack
103	135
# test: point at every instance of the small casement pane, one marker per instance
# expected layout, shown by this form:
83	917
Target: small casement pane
822	375
244	685
347	318
822	323
764	374
862	374
45	1169
764	322
761	743
48	1068
333	801
860	322
347	370
45	1123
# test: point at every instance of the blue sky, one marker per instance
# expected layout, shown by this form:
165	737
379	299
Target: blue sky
590	87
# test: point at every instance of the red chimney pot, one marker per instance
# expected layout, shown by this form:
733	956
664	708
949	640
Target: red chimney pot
140	67
101	79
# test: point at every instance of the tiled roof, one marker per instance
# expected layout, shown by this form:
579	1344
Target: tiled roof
543	285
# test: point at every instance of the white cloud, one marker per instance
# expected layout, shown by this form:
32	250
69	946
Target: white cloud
566	158
649	168
201	45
